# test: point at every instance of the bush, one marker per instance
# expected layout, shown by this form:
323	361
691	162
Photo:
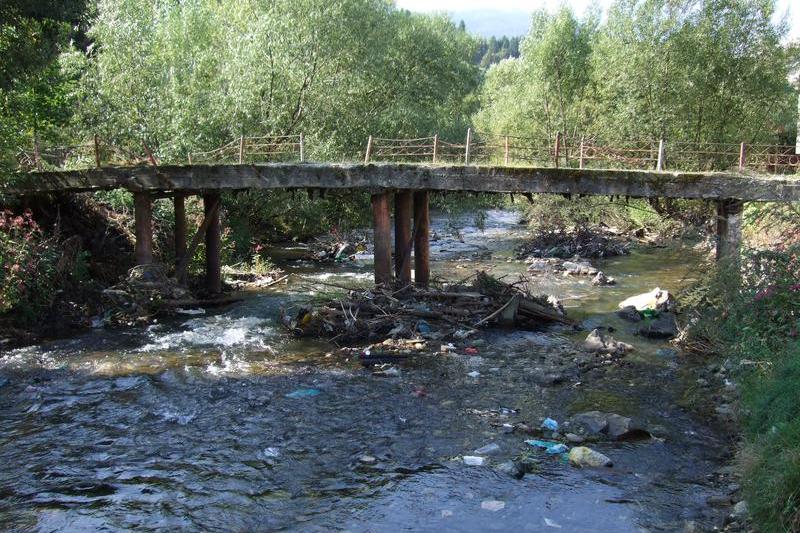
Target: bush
28	266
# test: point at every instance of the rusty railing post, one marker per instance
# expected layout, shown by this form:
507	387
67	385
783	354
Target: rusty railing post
466	148
505	150
435	147
742	155
37	156
557	148
97	151
580	154
369	150
302	148
241	149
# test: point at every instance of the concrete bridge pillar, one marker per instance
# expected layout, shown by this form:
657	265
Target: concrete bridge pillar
179	207
729	228
143	217
402	236
211	206
382	233
422	268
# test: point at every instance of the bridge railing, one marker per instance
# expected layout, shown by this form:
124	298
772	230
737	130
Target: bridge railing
477	147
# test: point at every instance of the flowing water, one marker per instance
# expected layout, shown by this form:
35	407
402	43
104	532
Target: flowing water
185	425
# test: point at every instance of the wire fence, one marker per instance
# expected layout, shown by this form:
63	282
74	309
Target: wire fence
477	148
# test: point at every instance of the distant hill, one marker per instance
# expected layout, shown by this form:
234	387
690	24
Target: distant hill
493	23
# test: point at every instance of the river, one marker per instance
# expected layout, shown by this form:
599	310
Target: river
185	425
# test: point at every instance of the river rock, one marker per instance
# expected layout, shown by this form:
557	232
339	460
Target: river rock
740	510
629	313
655	300
601	279
611	425
582	456
664	326
582	268
596	342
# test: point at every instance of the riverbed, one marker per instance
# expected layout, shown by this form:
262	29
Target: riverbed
186	424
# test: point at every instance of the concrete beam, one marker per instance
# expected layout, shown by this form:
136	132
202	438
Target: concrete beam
213	243
729	229
382	241
422	249
634	183
402	236
143	221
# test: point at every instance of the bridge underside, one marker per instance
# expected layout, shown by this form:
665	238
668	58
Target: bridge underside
409	183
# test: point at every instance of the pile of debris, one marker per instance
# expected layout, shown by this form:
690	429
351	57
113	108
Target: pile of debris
447	311
592	242
337	248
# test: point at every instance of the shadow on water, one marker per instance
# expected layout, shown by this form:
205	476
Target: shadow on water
186	425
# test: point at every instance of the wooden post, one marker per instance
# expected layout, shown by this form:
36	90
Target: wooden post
422	268
97	150
435	147
505	151
660	161
382	237
143	217
402	236
557	149
742	154
241	149
179	208
729	228
211	207
369	150
580	154
302	148
466	149
189	157
37	156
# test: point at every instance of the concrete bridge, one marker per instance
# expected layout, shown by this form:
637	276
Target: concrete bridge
407	184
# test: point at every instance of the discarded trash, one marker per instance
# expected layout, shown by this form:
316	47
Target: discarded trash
191	312
552	448
271	452
488	449
493	505
474	374
583	456
423	327
550	424
473	460
367	459
471	351
446	513
303	393
449	347
551	523
391	372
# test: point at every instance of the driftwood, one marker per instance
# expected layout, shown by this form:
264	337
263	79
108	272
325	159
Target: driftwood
375	313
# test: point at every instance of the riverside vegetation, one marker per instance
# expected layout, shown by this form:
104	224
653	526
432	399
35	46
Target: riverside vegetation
189	76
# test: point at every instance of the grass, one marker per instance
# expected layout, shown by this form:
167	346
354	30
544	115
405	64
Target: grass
751	314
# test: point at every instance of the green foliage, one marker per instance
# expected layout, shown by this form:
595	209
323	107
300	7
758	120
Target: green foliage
750	312
494	50
27	266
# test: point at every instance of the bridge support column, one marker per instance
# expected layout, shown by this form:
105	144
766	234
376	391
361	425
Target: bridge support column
422	252
402	236
213	236
143	216
729	228
382	237
179	206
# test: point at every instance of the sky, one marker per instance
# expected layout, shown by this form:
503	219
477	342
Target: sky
510	17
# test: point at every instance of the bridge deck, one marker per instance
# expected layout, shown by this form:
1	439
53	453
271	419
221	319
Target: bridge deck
376	177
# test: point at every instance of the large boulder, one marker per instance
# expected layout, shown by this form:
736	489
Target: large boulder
664	326
611	425
596	342
655	300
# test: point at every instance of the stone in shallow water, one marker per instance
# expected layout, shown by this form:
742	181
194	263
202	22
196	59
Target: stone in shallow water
493	505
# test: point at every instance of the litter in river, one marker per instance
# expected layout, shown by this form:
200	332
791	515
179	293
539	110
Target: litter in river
550	424
473	460
493	505
303	393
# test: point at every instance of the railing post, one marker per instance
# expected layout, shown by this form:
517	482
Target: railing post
189	157
369	150
241	149
660	160
505	151
466	148
302	148
557	149
37	156
96	150
742	160
435	147
580	154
